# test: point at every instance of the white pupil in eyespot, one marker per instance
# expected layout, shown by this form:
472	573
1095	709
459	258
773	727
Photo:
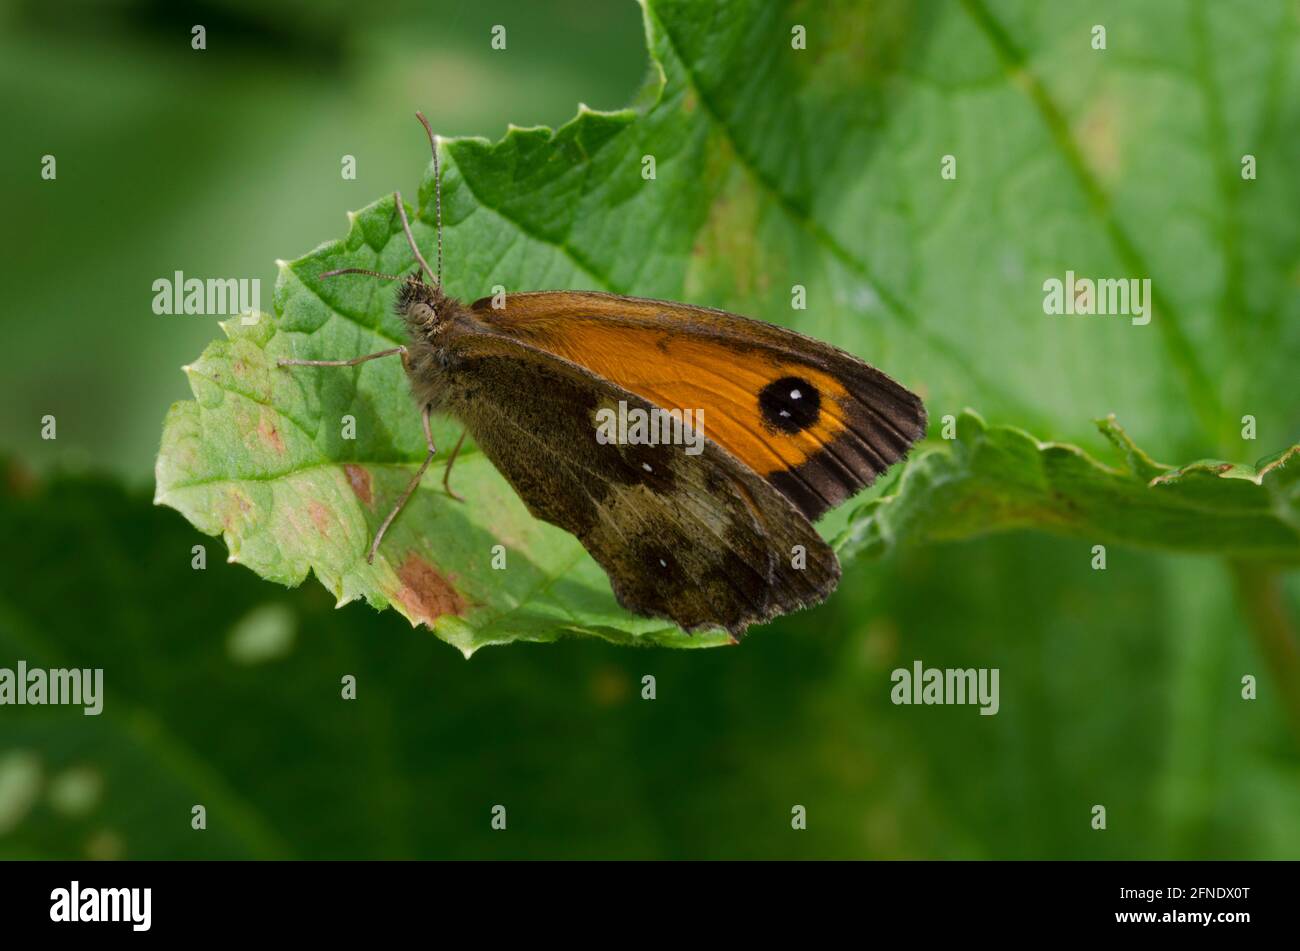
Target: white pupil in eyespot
646	467
795	394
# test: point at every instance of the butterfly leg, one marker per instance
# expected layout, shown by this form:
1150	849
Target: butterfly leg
343	363
446	473
410	486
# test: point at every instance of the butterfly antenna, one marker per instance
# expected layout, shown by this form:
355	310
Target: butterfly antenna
437	186
410	238
362	270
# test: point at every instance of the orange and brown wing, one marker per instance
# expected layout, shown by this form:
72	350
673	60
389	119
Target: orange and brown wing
817	423
699	539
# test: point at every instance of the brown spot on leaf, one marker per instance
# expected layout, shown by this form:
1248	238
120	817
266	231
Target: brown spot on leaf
320	517
236	507
425	593
728	235
1098	134
270	435
359	479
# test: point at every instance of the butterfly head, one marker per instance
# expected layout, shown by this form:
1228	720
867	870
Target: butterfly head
424	307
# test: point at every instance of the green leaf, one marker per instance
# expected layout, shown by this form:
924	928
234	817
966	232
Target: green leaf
777	167
998	478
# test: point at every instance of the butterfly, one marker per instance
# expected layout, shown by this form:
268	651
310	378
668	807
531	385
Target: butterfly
716	533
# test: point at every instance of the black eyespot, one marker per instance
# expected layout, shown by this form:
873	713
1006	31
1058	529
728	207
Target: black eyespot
790	404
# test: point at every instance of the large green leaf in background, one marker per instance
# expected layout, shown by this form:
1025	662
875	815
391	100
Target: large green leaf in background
819	167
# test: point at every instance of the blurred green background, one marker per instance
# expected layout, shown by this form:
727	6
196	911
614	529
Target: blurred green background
219	162
226	692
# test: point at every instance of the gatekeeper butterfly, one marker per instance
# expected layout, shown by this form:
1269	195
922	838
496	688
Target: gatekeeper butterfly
717	535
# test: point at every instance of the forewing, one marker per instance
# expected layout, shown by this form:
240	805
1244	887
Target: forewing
815	422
